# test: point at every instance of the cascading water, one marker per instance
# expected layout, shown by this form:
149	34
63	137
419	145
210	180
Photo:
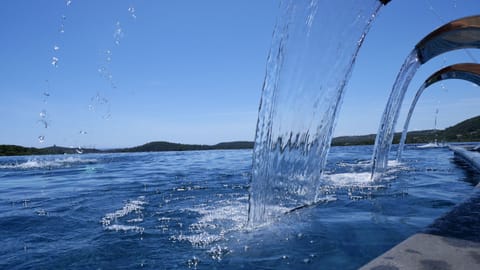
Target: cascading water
458	34
407	121
384	138
314	47
465	71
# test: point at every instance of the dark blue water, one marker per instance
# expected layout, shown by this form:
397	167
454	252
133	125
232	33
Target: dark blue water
188	210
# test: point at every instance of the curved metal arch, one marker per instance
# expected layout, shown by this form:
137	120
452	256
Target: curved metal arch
458	34
463	71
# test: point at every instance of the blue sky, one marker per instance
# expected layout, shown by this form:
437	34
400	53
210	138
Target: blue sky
191	71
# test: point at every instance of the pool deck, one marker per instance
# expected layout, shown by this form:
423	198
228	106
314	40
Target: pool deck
451	242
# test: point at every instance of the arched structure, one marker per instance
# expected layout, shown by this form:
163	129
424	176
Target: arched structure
465	71
458	34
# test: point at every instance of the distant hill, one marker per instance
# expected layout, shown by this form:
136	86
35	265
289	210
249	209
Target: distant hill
15	150
465	131
468	130
168	146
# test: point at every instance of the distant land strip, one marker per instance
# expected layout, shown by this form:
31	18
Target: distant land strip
465	131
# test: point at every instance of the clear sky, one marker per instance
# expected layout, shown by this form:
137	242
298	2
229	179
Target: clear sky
191	71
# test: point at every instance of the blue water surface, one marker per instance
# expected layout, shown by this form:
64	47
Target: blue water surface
188	210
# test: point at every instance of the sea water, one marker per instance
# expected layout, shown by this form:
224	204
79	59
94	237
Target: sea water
189	209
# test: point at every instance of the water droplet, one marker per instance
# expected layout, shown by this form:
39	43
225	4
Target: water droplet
44	123
68	2
43	114
55	61
118	34
83	132
79	150
218	252
109	55
192	263
56	48
131	10
101	70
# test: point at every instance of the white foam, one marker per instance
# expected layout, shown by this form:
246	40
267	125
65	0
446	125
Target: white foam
124	228
198	240
135	220
48	163
217	252
131	206
214	222
395	163
347	179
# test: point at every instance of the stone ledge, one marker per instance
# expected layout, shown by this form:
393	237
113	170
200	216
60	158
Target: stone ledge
425	251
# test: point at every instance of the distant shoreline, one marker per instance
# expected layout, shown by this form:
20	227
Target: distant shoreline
465	131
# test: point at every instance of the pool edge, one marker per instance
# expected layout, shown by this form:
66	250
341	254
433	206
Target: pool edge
429	251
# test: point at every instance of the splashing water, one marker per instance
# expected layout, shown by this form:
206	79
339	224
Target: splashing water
54	61
302	92
61	29
108	54
118	33
43	114
131	10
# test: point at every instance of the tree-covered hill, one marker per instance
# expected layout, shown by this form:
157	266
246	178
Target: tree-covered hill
465	131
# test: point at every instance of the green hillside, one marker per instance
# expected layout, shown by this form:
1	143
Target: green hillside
15	150
465	131
168	146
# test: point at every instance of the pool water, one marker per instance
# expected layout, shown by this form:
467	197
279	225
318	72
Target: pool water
188	210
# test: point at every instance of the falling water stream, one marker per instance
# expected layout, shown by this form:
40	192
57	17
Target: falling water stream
407	121
314	47
384	138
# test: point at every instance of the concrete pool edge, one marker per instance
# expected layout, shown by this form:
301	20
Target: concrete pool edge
472	158
431	250
427	251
